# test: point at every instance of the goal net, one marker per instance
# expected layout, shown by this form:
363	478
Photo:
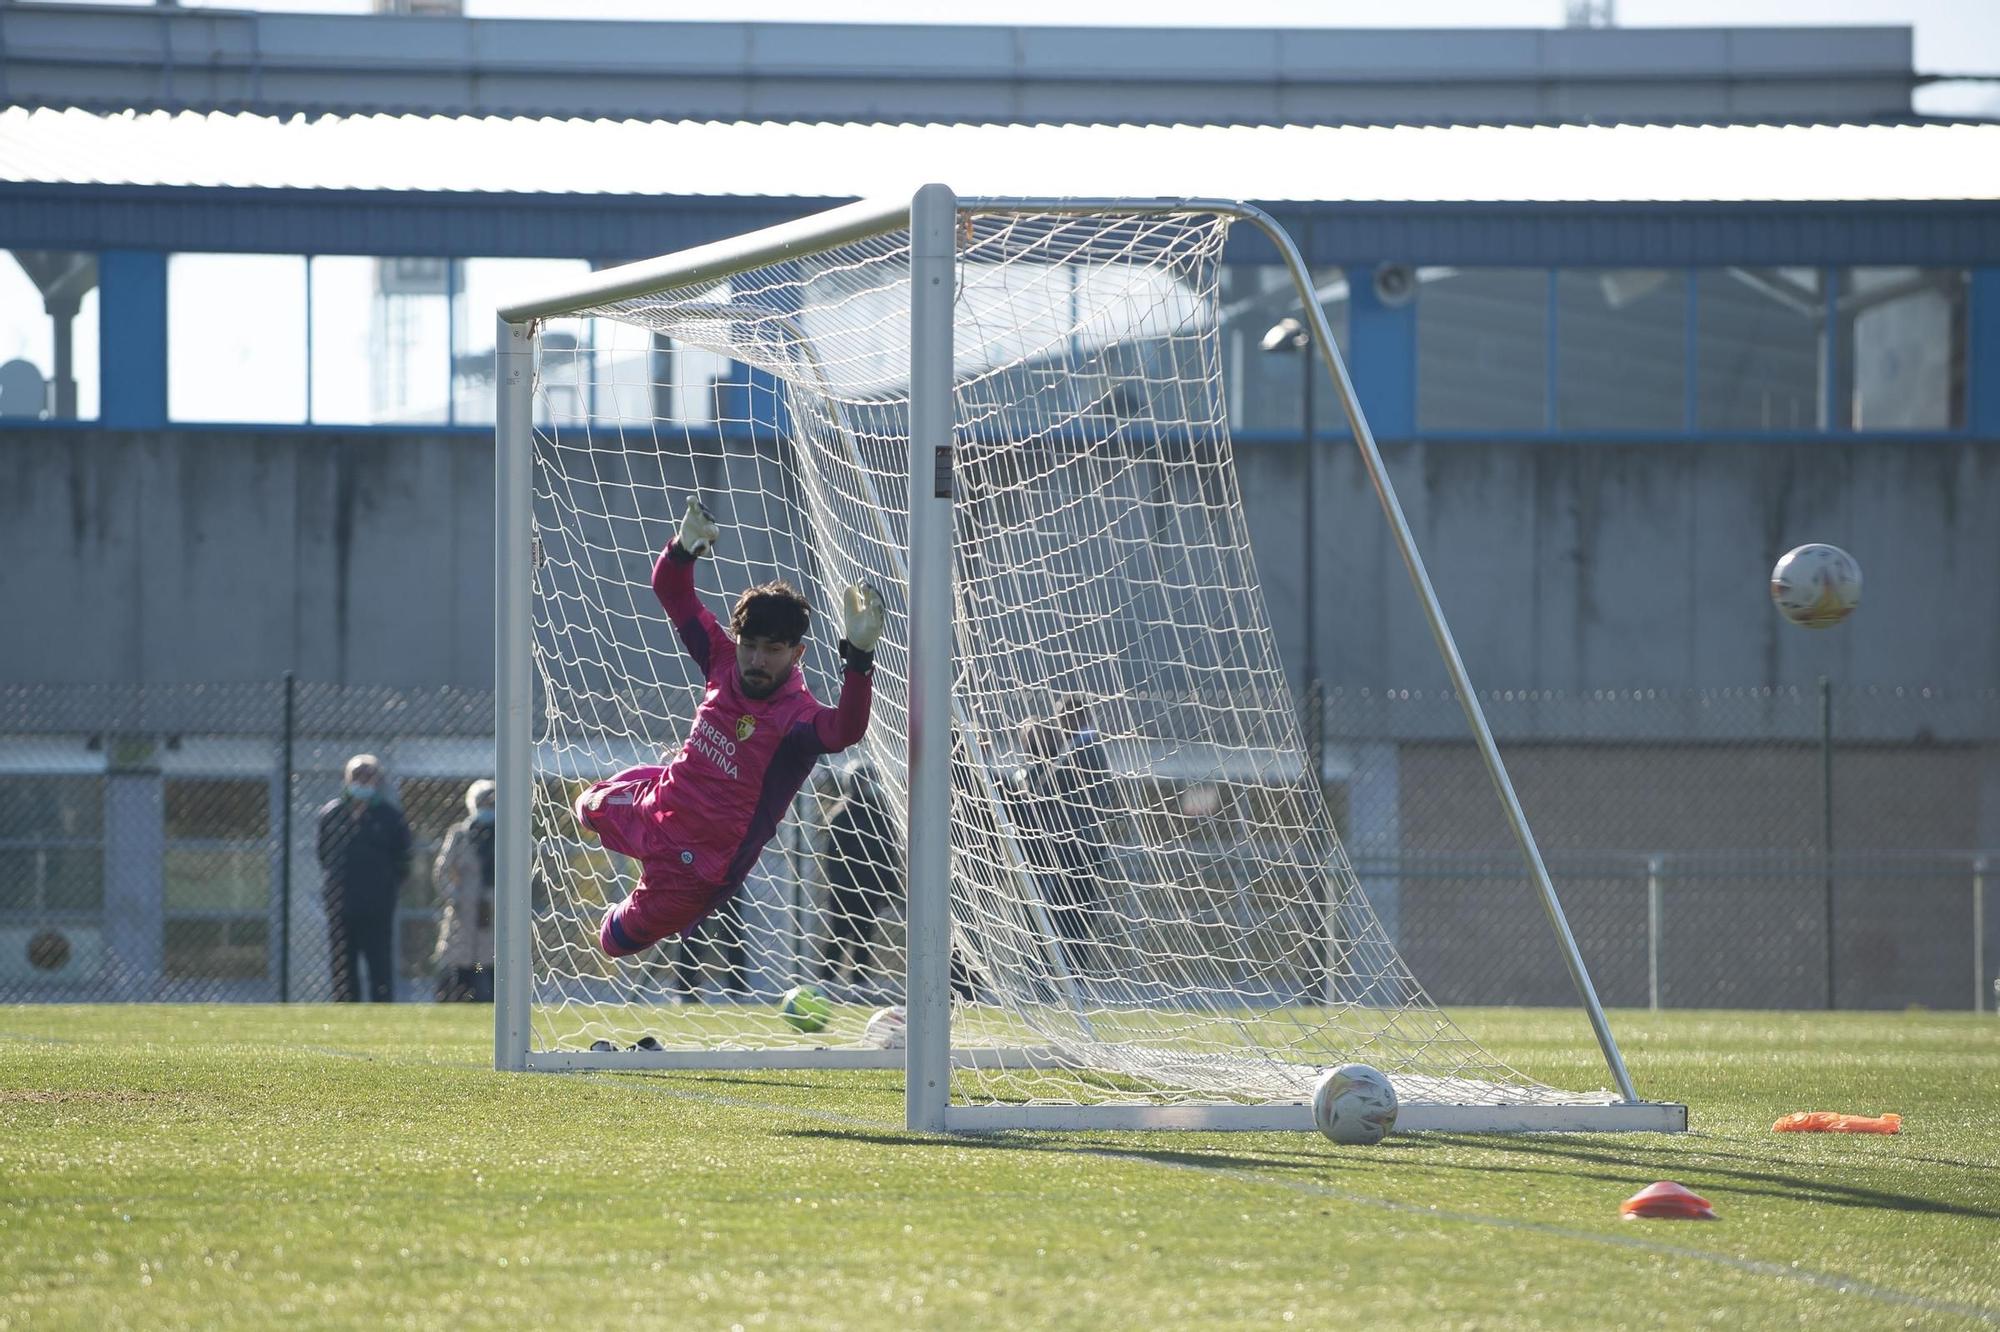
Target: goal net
1150	907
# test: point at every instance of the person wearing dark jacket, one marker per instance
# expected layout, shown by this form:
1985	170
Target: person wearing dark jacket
863	855
1060	835
1088	788
364	852
1063	795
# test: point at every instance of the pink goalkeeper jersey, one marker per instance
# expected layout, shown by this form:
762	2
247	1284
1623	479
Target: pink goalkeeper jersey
745	758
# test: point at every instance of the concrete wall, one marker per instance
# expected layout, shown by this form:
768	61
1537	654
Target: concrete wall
1600	566
178	557
366	559
139	559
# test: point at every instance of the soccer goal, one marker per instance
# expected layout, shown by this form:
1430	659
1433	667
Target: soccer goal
1011	417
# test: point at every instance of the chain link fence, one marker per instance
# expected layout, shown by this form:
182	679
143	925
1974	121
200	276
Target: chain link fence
1753	848
160	843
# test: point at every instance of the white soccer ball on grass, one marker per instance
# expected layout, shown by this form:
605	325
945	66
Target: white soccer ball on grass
1354	1104
887	1029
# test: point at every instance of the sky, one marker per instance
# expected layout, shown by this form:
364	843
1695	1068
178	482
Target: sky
1952	36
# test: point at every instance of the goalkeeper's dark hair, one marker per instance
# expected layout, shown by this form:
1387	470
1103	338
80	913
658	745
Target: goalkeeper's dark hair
771	610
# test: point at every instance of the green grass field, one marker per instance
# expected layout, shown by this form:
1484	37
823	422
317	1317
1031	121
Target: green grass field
251	1167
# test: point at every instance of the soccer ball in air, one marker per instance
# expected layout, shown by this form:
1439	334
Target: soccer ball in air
1354	1104
805	1008
1816	586
888	1029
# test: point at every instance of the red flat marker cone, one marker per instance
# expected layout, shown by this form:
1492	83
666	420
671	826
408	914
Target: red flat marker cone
1667	1200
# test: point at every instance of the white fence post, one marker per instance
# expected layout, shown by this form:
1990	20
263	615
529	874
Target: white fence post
1653	868
1979	938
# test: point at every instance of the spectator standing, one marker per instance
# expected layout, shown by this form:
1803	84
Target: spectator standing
464	877
364	852
1047	824
1063	793
864	871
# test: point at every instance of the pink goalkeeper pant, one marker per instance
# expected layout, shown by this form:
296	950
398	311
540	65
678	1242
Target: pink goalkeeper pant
654	911
669	899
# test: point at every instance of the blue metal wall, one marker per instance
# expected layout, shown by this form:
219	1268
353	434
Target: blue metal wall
1941	233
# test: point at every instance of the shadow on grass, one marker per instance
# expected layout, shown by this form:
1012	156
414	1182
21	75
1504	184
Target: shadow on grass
1619	1165
1304	1159
773	1080
1623	1161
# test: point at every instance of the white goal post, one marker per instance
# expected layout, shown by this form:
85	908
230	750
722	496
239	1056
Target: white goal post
1080	844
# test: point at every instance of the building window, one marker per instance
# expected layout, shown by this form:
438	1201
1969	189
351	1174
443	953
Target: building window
1758	349
236	338
381	340
218	878
363	340
218	844
340	339
51	845
1482	349
481	287
1900	348
1266	389
1621	349
48	335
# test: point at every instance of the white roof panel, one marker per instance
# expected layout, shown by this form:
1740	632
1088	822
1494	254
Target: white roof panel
1305	163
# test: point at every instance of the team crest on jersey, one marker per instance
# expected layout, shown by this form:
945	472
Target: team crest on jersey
744	725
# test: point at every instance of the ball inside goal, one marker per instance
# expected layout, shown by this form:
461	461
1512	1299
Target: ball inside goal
1817	586
805	1008
1354	1104
1103	630
888	1029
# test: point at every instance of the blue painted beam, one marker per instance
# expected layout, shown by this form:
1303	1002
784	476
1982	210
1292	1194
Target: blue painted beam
1382	356
132	338
610	228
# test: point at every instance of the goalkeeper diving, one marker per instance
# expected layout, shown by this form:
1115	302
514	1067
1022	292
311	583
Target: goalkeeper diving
697	825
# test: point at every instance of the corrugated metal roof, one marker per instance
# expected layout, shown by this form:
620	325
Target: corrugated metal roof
994	69
1627	163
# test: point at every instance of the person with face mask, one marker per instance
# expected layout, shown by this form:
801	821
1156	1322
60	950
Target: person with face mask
464	877
364	852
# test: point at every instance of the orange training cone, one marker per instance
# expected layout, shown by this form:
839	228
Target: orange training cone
1668	1201
1831	1121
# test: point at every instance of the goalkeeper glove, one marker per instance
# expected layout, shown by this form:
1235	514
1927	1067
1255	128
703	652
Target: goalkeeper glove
698	529
862	617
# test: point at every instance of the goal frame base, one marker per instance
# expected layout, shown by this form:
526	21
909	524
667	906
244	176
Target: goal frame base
831	1056
1216	1117
1615	1117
